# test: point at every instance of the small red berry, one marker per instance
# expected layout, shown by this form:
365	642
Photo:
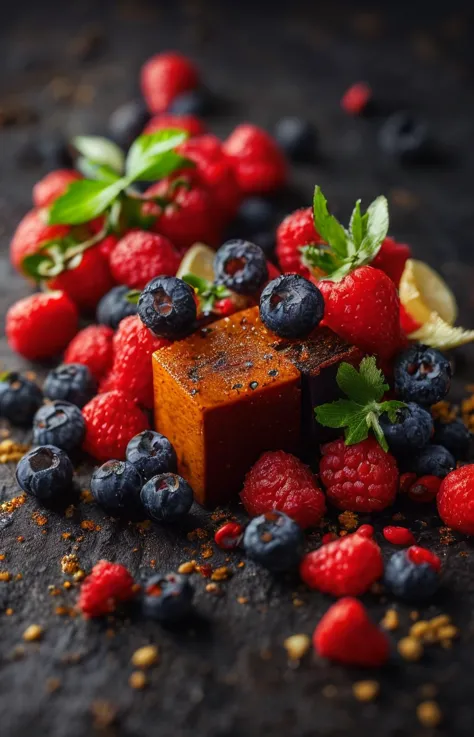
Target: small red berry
140	256
229	536
164	77
53	185
406	482
346	567
359	478
425	489
347	635
31	234
279	480
86	279
92	346
355	100
189	123
225	307
456	500
392	258
107	585
258	161
398	535
112	420
420	555
365	531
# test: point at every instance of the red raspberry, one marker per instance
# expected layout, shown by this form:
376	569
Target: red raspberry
359	478
190	123
32	232
259	163
107	245
140	256
392	258
229	536
355	100
294	232
164	77
112	419
53	185
398	535
86	279
424	489
346	567
92	346
456	500
420	555
132	370
407	323
41	326
106	586
189	217
347	635
365	531
281	481
363	308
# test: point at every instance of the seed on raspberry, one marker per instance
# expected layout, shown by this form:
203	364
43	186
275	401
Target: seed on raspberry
398	535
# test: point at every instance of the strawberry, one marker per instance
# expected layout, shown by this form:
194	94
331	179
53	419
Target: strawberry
53	185
164	77
31	234
85	279
189	123
41	326
259	163
294	232
92	347
112	420
392	258
139	256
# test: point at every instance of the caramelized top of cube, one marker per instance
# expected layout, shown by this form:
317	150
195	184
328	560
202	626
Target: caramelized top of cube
319	350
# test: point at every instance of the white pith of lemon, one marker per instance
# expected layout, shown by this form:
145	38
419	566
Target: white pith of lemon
199	260
424	292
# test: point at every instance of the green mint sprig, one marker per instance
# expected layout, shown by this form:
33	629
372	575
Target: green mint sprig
150	157
360	412
346	249
208	292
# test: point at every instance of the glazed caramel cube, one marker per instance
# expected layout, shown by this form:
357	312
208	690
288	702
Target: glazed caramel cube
222	397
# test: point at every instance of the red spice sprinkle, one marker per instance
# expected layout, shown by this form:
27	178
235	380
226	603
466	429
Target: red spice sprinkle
398	535
365	530
420	555
229	536
355	100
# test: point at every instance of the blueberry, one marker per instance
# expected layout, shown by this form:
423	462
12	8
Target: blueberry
403	136
72	382
434	460
241	266
45	472
196	102
408	580
167	598
116	486
274	540
151	454
167	306
59	423
297	137
455	437
413	429
255	214
291	306
167	497
422	375
20	398
114	306
127	122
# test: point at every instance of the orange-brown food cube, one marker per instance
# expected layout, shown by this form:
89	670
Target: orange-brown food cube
222	397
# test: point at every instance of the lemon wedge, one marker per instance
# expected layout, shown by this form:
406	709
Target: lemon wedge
199	260
424	294
437	333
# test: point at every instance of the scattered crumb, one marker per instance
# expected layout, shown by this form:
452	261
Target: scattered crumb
213	588
366	690
52	685
390	621
20	539
188	567
297	602
242	599
145	656
137	680
11	452
12	504
296	646
410	648
221	574
70	564
40	519
429	714
90	525
9	611
348	520
33	632
5	576
207	551
241	564
69	511
86	496
104	714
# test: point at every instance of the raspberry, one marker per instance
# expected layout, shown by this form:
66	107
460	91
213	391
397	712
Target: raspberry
294	232
392	258
92	347
53	185
107	245
139	256
424	489
32	232
259	163
112	419
164	77
106	586
281	481
355	100
189	123
229	536
347	635
41	326
365	531
363	309
189	215
86	279
132	370
398	535
346	567
421	555
456	500
361	477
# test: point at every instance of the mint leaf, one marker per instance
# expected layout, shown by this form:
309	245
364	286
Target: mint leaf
207	292
84	200
145	153
100	151
357	429
353	384
376	229
328	227
335	414
319	257
132	296
91	170
373	377
358	225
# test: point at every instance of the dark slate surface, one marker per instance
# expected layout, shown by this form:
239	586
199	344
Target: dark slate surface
226	674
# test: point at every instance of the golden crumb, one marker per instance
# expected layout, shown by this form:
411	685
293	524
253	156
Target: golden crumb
9	611
12	504
104	714
90	525
70	564
297	602
213	588
20	539
11	452
145	656
198	534
329	691
419	629
40	519
221	574
86	496
440	621
242	600
414	616
429	714
410	648
79	575
18	576
188	567
448	632
33	632
444	411
5	576
137	680
348	520
207	551
241	564
67	585
296	646
366	690
2	556
52	685
69	511
390	621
